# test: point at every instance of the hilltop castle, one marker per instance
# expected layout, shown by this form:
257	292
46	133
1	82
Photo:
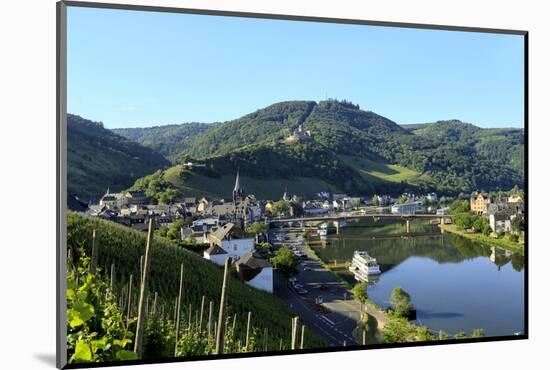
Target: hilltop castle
299	134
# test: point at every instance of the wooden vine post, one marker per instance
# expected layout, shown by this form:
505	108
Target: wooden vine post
248	330
138	345
178	309
93	254
223	301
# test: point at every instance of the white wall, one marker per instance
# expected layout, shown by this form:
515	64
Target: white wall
218	259
264	280
237	248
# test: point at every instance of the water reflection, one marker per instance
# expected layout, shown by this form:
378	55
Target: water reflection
455	284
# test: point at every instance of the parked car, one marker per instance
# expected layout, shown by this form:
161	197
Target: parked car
302	291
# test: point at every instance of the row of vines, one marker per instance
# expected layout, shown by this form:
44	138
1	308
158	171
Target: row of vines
103	295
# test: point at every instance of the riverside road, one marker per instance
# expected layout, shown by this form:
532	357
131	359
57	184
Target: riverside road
337	317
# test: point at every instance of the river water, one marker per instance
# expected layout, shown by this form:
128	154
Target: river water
455	284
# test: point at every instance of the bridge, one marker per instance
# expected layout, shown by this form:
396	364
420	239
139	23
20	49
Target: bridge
349	216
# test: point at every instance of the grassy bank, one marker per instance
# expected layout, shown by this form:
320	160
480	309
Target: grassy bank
487	240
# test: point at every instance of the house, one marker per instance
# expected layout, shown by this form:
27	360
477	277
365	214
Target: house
407	208
135	197
515	199
255	271
235	241
479	203
204	225
113	200
500	222
442	211
216	254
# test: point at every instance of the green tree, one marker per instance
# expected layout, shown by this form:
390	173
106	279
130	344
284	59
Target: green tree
257	228
284	260
359	292
478	333
280	208
464	220
459	206
518	224
481	225
375	201
400	301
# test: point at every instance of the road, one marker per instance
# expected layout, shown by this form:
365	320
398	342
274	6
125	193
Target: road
339	315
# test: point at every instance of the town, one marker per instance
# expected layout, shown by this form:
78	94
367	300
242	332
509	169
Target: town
223	227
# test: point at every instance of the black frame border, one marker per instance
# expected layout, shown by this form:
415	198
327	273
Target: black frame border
61	171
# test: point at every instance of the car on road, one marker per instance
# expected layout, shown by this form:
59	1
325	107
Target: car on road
292	280
302	291
307	268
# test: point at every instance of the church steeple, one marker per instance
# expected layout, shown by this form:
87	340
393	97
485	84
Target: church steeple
237	190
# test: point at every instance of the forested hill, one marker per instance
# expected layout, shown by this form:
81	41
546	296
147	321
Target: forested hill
503	146
97	158
350	150
167	140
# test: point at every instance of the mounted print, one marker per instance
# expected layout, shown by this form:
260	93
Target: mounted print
240	185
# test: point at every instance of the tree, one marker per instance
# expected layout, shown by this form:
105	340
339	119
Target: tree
375	201
174	232
284	260
400	301
478	333
464	220
257	228
459	206
481	225
280	208
263	248
518	224
359	292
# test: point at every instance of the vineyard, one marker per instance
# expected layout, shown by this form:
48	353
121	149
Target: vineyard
176	311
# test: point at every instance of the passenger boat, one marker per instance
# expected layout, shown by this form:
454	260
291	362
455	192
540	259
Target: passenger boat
364	266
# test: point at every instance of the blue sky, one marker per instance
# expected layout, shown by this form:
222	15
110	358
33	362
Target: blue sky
137	69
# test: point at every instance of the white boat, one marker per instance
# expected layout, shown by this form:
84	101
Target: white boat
323	232
364	266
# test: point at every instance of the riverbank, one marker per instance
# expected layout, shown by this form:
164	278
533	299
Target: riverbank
486	240
371	308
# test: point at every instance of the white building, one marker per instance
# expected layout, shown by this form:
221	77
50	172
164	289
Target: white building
500	222
232	240
216	255
406	208
256	272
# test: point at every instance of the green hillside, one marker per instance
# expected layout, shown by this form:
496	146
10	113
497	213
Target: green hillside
167	140
99	159
196	184
124	247
380	171
266	125
349	150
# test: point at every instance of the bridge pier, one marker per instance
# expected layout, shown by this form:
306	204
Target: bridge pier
337	225
408	225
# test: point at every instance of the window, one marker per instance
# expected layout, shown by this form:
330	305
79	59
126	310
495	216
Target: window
235	247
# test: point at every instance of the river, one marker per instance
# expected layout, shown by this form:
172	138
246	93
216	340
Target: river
455	284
